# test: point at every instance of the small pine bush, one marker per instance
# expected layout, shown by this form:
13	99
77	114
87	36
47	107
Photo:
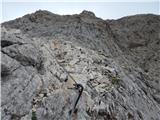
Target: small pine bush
34	117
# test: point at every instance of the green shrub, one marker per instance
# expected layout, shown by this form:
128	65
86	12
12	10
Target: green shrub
115	80
34	117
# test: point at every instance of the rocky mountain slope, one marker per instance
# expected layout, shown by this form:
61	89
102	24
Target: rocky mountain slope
116	61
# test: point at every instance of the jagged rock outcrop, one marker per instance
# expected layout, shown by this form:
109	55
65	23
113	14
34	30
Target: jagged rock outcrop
116	61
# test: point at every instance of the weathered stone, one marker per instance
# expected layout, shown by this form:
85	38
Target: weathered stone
116	61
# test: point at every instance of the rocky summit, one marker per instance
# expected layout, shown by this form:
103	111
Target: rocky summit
80	67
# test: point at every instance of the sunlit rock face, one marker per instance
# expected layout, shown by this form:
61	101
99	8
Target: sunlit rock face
116	61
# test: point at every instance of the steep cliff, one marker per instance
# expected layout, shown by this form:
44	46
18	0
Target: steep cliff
116	61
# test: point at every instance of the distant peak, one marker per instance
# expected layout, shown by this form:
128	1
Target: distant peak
41	16
44	12
87	13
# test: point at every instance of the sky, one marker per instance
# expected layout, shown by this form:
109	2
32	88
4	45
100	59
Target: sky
105	9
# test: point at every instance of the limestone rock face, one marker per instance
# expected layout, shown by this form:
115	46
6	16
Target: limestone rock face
116	61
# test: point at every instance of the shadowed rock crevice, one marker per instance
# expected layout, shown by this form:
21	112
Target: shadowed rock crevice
6	43
5	71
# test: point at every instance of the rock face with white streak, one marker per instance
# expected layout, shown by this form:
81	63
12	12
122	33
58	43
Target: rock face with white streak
116	61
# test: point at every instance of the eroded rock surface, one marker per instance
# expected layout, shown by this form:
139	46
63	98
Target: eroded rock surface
44	54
